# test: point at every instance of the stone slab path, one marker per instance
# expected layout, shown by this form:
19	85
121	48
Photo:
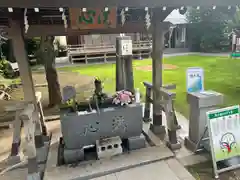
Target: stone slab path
165	170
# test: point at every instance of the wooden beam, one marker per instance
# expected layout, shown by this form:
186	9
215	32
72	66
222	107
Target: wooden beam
159	29
112	3
59	30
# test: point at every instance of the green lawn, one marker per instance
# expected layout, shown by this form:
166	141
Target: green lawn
221	74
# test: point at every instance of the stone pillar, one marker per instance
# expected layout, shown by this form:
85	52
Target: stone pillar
159	29
119	73
16	33
129	74
124	68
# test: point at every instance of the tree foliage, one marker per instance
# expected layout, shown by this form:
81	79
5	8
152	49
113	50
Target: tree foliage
234	23
31	46
207	28
6	69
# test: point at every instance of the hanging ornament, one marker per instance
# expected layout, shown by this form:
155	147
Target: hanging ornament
26	25
182	10
171	29
147	18
3	40
3	34
64	18
123	17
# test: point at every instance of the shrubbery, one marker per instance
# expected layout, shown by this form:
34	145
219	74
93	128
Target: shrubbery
6	69
208	29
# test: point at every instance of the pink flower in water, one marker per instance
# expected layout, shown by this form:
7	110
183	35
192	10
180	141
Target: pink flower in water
123	97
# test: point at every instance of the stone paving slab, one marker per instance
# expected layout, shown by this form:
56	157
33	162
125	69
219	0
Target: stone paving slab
165	170
159	170
179	170
18	174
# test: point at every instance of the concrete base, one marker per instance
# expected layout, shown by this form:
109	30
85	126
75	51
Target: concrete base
190	144
157	129
106	148
34	176
73	155
136	142
173	147
46	138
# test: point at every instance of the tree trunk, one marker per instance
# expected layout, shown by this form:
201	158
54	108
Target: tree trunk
11	56
47	55
53	86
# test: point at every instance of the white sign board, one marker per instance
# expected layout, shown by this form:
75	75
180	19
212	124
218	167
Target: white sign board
195	79
224	134
126	47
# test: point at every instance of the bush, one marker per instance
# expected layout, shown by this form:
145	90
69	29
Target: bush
61	49
6	69
207	29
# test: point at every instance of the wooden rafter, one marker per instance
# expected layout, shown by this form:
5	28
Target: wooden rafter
104	3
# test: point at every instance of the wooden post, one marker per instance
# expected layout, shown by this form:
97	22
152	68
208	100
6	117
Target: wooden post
16	142
157	55
172	125
147	107
28	116
129	73
18	46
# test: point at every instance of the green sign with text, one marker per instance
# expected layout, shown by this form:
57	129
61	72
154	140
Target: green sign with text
93	18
